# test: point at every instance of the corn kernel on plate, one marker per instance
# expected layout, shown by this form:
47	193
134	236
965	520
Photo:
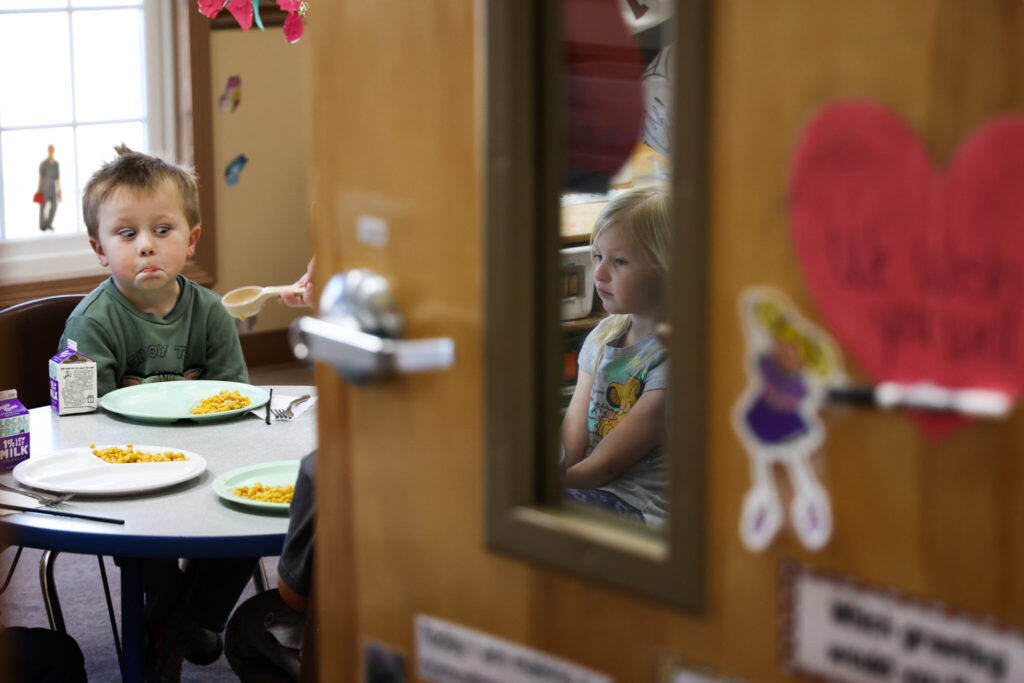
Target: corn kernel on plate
269	475
195	400
109	469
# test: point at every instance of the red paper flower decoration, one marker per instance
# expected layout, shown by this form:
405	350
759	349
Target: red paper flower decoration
293	27
210	8
244	10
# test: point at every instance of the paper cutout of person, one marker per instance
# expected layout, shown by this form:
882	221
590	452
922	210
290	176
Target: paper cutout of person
790	364
49	187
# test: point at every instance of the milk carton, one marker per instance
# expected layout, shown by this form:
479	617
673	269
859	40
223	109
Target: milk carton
13	430
72	382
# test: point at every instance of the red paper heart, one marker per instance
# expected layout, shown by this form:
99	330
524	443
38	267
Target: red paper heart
919	271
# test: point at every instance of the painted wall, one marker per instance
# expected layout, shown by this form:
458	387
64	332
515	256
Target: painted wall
263	220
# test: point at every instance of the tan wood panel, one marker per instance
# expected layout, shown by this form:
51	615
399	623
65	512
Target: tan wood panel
400	472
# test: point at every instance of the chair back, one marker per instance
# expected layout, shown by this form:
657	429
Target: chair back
29	333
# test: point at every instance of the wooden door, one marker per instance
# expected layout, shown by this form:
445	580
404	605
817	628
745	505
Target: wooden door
396	135
399	474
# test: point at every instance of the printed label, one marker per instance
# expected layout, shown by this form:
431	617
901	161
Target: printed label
447	653
14	433
842	631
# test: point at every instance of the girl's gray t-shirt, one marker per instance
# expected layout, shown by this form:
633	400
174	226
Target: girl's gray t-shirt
621	376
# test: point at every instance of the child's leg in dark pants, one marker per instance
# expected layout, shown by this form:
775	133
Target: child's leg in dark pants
163	587
208	589
264	638
194	603
218	583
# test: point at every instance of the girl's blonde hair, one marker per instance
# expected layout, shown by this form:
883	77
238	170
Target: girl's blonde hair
644	214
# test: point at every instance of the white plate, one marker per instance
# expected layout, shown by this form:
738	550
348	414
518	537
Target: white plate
172	401
77	470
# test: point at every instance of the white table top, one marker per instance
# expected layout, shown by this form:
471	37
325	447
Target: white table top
185	520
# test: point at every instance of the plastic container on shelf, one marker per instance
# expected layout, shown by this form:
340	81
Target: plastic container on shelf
577	282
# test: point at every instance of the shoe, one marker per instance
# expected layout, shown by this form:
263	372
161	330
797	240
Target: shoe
202	646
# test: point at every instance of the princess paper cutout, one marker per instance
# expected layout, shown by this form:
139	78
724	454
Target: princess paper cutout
791	363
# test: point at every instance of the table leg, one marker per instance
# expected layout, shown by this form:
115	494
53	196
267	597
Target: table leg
50	599
132	618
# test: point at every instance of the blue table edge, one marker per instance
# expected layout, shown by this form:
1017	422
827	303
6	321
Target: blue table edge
126	545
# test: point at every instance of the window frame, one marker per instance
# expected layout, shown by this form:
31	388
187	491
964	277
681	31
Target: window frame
193	137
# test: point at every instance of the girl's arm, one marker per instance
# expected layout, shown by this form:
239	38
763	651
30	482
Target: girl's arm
640	430
575	434
306	298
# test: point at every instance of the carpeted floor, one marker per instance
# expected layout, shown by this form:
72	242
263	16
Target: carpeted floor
80	586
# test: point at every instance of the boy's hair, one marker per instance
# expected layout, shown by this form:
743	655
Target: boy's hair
138	171
644	213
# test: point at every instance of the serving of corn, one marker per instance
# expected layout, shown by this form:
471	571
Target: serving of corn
118	455
221	402
266	494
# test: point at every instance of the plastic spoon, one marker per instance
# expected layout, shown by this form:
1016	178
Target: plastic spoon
244	302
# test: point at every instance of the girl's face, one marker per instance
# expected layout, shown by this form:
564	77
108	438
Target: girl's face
625	277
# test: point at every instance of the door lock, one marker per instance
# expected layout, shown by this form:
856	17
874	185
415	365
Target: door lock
359	332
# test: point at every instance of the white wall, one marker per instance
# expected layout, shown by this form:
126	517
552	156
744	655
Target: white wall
263	221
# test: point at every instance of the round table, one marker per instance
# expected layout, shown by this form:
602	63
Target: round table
184	520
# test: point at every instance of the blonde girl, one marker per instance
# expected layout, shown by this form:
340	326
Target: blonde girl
614	428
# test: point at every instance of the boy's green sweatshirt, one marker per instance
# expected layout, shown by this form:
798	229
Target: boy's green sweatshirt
197	340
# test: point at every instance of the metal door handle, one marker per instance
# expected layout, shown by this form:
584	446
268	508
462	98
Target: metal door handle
359	330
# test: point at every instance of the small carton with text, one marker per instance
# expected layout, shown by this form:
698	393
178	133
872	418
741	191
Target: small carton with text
13	430
72	382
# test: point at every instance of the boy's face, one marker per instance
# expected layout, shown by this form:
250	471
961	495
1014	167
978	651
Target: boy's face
144	238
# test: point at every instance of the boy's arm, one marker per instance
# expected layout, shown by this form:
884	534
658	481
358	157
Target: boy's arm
640	430
224	359
295	600
93	341
575	432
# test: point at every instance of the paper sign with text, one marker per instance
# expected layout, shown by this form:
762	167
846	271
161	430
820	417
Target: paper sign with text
447	653
839	630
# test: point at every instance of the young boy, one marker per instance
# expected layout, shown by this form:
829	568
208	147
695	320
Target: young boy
148	323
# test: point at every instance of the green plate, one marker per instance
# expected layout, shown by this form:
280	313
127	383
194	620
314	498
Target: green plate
278	473
173	401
